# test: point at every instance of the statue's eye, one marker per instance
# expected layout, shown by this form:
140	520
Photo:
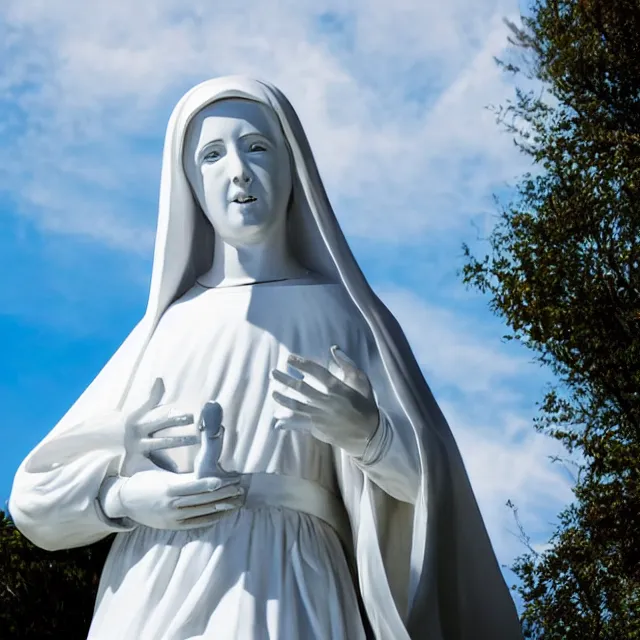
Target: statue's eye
256	147
211	156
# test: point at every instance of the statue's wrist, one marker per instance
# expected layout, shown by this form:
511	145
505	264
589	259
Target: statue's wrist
377	443
109	497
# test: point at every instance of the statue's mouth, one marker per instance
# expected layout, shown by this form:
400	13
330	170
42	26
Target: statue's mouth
244	199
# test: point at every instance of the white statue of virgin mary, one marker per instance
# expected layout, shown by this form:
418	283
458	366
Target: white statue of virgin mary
263	443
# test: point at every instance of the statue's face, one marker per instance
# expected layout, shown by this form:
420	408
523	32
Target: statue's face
236	160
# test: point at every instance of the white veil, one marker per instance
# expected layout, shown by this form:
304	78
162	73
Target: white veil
456	590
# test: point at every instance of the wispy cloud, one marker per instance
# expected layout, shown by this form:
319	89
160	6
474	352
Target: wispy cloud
392	98
507	461
451	347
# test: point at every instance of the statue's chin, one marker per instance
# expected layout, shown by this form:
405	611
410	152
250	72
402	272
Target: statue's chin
248	232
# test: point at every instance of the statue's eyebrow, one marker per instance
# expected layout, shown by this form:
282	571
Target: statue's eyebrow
208	144
256	133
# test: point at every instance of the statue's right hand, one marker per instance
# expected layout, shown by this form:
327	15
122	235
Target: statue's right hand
165	500
143	422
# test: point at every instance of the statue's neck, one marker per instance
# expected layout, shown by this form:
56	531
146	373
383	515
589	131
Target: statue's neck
266	261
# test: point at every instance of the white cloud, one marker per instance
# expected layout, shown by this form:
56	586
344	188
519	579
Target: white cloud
507	460
392	97
450	347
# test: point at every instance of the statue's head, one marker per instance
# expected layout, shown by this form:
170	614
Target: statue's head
227	137
237	162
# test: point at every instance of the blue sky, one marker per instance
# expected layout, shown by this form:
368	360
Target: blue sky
393	97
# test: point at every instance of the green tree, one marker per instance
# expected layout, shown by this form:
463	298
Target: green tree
563	271
46	594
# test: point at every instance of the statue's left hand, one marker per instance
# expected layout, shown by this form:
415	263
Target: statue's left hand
344	414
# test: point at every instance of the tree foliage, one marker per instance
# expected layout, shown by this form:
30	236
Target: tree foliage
46	594
563	271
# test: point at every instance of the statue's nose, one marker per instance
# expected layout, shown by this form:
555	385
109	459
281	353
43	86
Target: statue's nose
242	179
237	167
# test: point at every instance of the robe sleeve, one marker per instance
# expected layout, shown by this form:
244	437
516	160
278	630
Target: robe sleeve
389	461
390	464
54	499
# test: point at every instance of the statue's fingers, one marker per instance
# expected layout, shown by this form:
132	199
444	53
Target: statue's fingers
301	424
300	386
336	369
170	442
308	367
353	376
157	391
207	520
311	368
209	498
192	514
211	417
321	429
201	485
153	400
343	358
171	418
297	406
346	364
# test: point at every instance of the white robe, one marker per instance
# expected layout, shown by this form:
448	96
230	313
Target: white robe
260	573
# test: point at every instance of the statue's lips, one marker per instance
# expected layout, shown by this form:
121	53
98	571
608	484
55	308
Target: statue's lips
244	199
